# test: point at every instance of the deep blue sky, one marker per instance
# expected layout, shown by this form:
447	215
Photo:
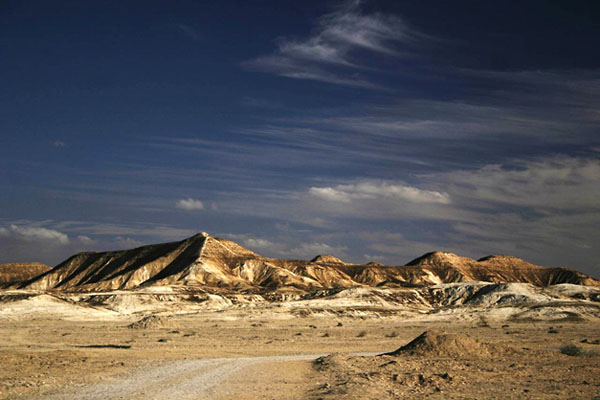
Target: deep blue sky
372	130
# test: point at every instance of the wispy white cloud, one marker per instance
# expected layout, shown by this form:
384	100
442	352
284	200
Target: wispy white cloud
327	55
190	204
373	190
58	143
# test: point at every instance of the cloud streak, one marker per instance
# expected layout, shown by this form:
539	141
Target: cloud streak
373	190
329	53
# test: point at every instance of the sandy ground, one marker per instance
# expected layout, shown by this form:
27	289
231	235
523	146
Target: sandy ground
223	355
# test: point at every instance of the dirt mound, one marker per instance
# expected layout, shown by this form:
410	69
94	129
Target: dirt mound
150	321
440	344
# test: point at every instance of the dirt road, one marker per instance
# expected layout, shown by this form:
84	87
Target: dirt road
181	379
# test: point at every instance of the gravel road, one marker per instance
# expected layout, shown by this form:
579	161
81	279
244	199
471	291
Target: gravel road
181	379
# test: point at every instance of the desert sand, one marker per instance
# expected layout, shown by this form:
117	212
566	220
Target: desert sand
224	355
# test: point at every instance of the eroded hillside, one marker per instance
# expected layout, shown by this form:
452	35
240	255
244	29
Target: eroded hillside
206	261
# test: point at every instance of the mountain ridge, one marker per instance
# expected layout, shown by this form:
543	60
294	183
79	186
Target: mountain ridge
205	260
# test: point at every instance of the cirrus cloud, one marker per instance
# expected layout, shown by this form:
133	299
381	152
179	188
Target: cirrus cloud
329	53
373	190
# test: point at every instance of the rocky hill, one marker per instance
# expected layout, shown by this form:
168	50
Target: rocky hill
19	272
206	261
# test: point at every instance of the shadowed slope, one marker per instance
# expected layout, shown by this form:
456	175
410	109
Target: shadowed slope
116	269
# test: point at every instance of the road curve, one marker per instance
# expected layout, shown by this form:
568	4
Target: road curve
180	379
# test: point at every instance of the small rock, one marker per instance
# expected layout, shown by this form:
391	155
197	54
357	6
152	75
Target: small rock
444	375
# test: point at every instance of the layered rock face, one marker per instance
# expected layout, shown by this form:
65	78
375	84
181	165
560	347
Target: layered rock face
203	260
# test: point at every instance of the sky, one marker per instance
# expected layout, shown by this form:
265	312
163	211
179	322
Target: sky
371	130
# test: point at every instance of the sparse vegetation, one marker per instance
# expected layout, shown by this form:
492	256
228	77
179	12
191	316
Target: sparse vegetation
571	350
